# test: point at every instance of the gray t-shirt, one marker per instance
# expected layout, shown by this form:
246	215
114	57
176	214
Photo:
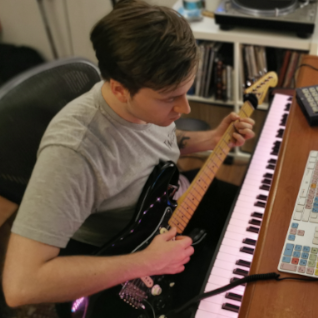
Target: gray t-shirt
90	171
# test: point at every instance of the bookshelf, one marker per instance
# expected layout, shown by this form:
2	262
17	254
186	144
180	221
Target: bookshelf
208	30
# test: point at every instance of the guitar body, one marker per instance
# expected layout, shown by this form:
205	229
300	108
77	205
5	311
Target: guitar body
154	209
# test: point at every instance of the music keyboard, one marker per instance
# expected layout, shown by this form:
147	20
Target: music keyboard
235	253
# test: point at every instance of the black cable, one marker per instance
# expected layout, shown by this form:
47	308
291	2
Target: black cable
247	279
251	278
298	67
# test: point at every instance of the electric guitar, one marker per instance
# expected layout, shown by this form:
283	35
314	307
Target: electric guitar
156	213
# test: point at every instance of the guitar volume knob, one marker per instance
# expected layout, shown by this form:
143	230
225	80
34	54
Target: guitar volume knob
156	290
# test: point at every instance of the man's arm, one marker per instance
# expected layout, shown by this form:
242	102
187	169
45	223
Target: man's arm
196	141
34	273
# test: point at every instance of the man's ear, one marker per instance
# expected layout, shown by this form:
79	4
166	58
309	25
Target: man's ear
119	91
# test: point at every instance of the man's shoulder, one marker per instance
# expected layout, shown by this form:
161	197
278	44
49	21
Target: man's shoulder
69	127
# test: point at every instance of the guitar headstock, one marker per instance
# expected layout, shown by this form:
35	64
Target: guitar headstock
260	88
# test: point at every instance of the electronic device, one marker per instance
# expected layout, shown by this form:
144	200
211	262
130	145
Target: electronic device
300	251
307	98
288	15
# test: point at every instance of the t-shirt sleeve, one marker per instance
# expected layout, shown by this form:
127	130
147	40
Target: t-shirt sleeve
58	198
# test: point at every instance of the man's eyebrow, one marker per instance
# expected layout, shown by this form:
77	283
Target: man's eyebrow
172	96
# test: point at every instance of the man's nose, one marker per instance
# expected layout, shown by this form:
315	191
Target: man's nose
182	106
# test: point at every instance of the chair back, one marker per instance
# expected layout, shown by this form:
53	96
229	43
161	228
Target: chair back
28	102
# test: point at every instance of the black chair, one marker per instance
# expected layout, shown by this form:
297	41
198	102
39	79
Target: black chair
28	102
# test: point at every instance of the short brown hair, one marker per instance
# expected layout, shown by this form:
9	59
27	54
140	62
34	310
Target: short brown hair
141	45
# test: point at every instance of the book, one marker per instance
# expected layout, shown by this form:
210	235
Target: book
242	70
224	83
229	82
207	52
199	70
218	78
292	65
260	56
209	81
301	56
283	68
249	68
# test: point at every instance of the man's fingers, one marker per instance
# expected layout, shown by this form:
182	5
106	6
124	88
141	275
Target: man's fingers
169	235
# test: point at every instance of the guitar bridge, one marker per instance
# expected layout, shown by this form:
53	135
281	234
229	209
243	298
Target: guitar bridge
133	295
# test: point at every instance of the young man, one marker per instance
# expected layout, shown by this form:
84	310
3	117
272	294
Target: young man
96	156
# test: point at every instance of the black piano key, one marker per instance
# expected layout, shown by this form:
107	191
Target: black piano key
287	107
268	175
260	204
234	279
266	181
280	133
262	197
230	307
247	250
255	222
252	229
273	161
249	241
239	271
272	167
257	215
284	119
234	296
264	187
241	262
290	98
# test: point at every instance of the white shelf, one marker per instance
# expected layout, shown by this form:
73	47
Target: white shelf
207	29
210	100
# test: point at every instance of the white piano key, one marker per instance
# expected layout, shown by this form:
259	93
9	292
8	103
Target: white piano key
215	308
241	236
206	314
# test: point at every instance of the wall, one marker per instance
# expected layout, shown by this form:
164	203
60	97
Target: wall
70	22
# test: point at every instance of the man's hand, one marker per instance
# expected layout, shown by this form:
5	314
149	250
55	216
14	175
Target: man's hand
168	256
243	129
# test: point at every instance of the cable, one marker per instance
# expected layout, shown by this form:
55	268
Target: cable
297	69
252	278
152	309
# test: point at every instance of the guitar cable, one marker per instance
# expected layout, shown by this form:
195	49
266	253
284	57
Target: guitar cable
176	313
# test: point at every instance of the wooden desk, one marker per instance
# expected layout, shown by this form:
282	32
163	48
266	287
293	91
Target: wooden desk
286	299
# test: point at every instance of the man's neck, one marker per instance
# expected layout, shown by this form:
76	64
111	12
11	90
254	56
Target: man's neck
117	106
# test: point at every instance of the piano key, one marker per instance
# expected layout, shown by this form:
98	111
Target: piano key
234	296
249	241
253	229
235	279
260	204
241	272
265	187
227	265
262	197
257	215
247	250
255	222
241	262
215	308
231	307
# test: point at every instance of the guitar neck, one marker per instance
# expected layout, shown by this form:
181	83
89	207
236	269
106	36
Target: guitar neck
190	200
